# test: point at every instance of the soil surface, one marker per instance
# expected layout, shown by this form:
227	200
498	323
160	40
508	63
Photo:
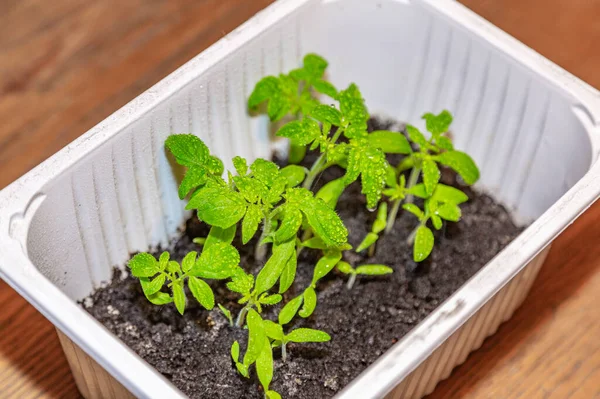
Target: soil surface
193	351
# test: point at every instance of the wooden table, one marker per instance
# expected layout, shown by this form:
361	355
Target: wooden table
67	64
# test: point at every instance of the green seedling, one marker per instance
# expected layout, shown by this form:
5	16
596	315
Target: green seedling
442	205
378	226
218	262
226	313
363	270
300	335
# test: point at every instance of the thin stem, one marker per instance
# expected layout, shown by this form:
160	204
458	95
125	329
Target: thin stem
283	351
261	249
239	322
319	164
351	281
412	180
371	250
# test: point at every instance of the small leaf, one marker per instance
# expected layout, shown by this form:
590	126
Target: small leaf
227	315
325	264
173	267
256	337
331	192
438	124
416	136
370	239
250	223
391	176
240	165
194	177
374	270
352	104
431	175
270	299
271	271
290	224
264	89
449	212
423	244
241	282
418	190
178	297
301	132
273	330
325	222
444	143
143	265
308	335
163	260
290	309
264	365
288	275
381	221
448	194
160	298
188	261
345	267
218	262
324	87
187	149
310	302
390	142
372	175
415	210
218	234
327	113
235	350
314	65
202	292
437	222
462	164
294	174
243	369
265	171
218	206
297	153
273	395
152	286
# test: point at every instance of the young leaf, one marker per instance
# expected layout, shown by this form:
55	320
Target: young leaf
241	282
294	174
187	149
265	171
290	224
325	264
437	221
264	89
256	337
374	270
273	330
194	177
290	309
314	65
235	350
297	153
438	124
264	365
390	142
327	113
188	261
273	395
345	267
423	244
178	296
418	190
270	299
462	164
250	223
301	132
143	265
416	136
381	220
310	302
448	194
218	206
324	87
160	298
444	143
218	234
227	315
219	261
271	271
314	243
288	275
325	222
202	292
152	286
240	165
331	192
449	212
431	175
307	335
369	240
412	208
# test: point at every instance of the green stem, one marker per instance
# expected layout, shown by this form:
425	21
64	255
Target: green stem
283	351
351	281
261	250
239	322
412	180
319	164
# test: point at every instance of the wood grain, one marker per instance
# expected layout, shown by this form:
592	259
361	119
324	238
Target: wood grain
67	64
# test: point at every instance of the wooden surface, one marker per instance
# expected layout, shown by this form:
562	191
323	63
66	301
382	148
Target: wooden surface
67	64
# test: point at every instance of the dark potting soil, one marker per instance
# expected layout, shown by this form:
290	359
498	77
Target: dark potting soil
193	351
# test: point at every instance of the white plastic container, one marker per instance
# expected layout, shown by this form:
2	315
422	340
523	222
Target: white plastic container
532	127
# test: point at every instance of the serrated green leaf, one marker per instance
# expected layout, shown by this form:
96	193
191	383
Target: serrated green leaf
374	270
143	265
449	212
251	189
416	136
324	87
240	165
215	165
325	264
345	267
415	210
278	107
218	206
178	296
308	335
292	220
264	89
431	175
293	174
301	132
194	177
250	223
159	298
152	286
270	299
290	309
437	222
444	143
265	171
173	267
462	164
202	292
256	337
325	223
218	234
187	149
390	142
264	365
352	105
310	302
271	271
241	282
273	330
219	261
288	274
331	192
370	239
314	65
372	175
423	243
276	191
163	260
357	130
327	113
438	124
188	261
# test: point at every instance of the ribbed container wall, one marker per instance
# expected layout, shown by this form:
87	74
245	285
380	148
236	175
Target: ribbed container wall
408	58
